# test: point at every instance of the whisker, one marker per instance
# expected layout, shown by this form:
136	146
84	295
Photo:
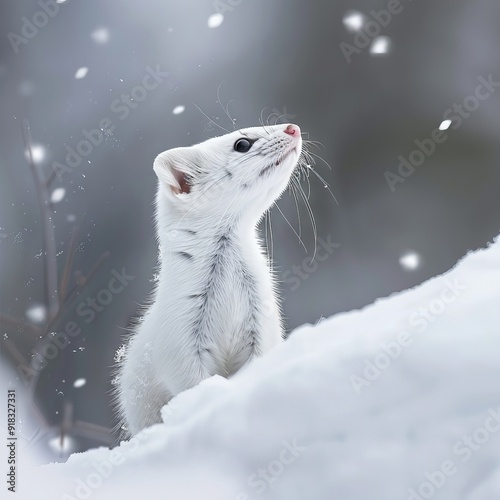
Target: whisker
279	117
292	186
288	222
262	121
226	108
314	143
311	217
215	123
320	158
270	246
325	184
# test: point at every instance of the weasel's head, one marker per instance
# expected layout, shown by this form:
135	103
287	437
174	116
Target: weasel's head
227	176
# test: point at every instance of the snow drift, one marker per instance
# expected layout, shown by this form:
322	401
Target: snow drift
400	400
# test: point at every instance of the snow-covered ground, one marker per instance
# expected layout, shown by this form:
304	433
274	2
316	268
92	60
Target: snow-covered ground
400	400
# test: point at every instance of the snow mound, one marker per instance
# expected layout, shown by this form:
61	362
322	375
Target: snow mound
400	400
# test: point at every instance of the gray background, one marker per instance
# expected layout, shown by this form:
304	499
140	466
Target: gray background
273	57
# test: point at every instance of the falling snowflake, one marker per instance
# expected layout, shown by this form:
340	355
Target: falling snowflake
215	20
381	45
445	125
410	261
57	195
120	353
100	35
64	444
81	72
354	20
37	313
79	382
38	153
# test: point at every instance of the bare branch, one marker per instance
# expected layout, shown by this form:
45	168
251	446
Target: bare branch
67	267
50	179
73	293
93	431
49	241
15	353
19	326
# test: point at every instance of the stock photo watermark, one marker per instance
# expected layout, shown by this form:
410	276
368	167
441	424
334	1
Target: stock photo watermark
368	31
11	441
122	107
104	469
455	115
392	350
299	273
224	6
464	449
260	480
31	27
55	342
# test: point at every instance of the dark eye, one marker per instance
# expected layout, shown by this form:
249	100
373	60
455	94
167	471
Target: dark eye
242	145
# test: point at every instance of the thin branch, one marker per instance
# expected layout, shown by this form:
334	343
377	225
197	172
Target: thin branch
67	422
67	267
73	293
84	280
49	241
15	353
93	431
50	179
18	325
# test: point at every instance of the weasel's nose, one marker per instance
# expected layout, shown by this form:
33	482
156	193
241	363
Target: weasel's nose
293	130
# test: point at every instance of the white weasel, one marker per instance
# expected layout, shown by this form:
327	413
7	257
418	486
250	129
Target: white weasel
214	307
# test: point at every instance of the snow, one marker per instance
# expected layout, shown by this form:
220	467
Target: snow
79	382
179	109
410	261
100	36
445	125
57	195
354	20
64	445
381	45
215	20
81	72
37	313
399	400
38	153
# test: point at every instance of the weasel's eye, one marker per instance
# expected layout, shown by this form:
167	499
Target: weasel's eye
242	145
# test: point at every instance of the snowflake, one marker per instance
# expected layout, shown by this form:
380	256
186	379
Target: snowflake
120	353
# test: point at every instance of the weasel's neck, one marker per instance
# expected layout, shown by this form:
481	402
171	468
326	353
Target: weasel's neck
203	237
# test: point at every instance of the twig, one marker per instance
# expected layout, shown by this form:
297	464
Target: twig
50	179
67	422
67	267
17	324
15	353
73	293
49	241
93	431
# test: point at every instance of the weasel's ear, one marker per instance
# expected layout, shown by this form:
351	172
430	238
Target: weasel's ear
172	168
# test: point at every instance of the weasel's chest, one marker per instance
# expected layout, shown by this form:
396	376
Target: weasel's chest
226	324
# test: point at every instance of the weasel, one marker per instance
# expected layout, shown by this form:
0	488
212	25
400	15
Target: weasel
214	308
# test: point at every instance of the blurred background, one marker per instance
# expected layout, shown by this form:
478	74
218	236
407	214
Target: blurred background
95	90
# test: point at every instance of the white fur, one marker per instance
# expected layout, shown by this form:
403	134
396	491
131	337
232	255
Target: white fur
214	307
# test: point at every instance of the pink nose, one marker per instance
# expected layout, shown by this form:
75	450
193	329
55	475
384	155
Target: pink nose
293	130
